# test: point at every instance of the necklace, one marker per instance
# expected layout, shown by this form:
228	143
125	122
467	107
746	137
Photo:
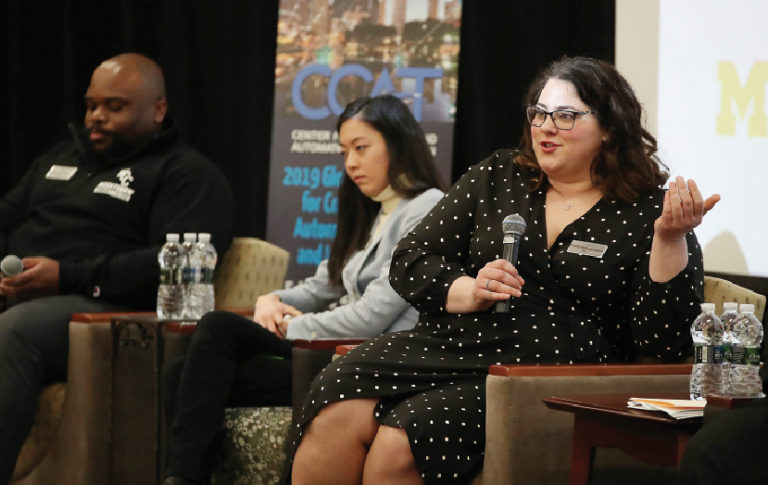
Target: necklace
568	205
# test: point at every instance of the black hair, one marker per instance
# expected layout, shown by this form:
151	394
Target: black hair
411	171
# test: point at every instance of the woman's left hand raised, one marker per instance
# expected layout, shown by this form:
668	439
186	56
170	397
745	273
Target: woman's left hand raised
684	209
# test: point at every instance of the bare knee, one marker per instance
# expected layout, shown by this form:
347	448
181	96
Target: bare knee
352	419
334	445
390	459
393	442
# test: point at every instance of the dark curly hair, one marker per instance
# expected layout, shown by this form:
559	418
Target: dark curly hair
627	165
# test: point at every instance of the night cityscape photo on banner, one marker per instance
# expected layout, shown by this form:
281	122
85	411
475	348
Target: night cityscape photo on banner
328	54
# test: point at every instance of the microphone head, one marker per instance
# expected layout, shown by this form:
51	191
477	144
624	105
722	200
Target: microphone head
11	265
513	224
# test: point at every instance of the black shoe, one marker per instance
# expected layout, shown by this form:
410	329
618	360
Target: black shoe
179	481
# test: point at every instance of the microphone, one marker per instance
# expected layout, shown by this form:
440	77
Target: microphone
11	265
513	227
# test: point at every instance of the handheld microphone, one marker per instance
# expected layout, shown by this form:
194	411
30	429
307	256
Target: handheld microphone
11	265
513	226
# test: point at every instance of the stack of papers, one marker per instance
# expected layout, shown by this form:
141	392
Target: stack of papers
677	408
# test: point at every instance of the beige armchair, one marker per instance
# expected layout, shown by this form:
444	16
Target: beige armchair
74	438
719	290
249	268
528	443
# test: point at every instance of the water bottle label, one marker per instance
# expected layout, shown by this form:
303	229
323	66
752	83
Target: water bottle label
752	356
700	353
207	275
707	354
170	276
717	354
186	275
190	275
738	352
727	352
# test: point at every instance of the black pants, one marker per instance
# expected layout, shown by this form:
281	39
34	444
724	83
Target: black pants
733	448
232	361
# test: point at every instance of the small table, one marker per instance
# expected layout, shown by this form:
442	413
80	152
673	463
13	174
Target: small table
605	420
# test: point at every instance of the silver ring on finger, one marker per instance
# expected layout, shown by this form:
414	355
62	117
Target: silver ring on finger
487	282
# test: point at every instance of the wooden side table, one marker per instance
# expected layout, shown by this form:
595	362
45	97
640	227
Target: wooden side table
605	420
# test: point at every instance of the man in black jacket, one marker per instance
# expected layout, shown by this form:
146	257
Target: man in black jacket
88	220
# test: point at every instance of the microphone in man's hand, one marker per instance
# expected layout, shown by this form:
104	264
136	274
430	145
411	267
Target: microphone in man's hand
11	265
513	226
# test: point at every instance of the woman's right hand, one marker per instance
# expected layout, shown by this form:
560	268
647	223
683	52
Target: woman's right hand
270	313
497	281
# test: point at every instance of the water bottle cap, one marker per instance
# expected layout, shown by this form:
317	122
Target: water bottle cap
172	237
747	308
707	307
190	237
730	306
203	236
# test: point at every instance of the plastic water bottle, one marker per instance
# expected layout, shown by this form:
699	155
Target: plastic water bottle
170	292
729	317
747	337
707	372
190	270
203	287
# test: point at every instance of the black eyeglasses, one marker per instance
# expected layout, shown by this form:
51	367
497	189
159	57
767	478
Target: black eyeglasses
564	119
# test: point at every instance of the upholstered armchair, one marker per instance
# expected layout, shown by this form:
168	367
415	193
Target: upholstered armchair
719	290
74	438
249	268
528	443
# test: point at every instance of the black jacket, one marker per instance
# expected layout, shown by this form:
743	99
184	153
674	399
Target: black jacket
105	221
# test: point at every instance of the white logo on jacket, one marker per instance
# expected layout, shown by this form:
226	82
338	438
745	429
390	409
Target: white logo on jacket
119	191
125	177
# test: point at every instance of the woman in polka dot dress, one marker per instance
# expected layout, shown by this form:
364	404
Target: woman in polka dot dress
608	268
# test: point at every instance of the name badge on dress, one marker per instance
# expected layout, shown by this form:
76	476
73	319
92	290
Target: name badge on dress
583	248
60	172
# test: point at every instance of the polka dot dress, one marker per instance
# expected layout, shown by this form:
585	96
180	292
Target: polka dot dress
575	307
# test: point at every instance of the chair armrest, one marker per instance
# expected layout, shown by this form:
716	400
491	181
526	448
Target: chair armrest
718	404
729	402
326	344
80	448
344	349
102	316
528	443
575	370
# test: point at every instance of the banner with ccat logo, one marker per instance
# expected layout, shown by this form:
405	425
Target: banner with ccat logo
330	52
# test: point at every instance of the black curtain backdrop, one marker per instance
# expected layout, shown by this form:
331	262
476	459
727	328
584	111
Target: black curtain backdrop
218	59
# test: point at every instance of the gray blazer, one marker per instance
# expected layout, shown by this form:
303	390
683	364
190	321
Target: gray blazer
372	307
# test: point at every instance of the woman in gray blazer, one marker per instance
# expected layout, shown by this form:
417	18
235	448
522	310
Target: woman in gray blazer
391	184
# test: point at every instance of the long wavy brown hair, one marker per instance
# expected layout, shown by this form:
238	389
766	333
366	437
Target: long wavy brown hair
627	165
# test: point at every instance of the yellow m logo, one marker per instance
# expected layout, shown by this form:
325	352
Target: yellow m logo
732	93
